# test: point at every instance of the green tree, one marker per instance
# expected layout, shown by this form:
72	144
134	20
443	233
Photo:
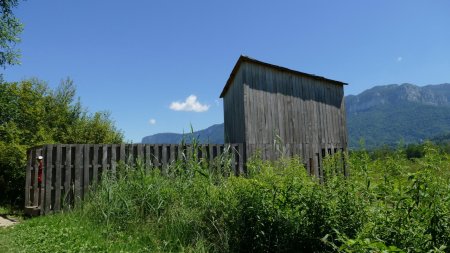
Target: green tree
32	114
10	28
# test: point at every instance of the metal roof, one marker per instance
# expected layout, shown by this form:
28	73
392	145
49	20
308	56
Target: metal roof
244	58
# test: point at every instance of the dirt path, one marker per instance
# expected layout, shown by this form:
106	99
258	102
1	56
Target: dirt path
6	222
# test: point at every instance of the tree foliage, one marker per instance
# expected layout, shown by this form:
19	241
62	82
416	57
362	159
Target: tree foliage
33	114
10	28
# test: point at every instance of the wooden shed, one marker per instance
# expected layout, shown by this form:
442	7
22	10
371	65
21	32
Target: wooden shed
277	111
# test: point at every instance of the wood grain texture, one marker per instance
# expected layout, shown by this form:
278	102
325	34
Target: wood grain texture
48	172
264	104
68	183
78	173
29	171
58	180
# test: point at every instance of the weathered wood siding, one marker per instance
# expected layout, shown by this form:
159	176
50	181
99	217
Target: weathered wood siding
71	170
287	113
234	111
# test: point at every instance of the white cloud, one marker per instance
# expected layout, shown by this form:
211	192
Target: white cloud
189	105
152	122
399	59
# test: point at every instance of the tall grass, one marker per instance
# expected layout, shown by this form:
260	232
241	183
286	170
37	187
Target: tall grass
391	204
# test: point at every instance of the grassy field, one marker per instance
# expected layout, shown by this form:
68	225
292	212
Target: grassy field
388	204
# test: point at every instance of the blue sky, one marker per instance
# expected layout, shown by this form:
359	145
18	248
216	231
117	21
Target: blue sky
144	61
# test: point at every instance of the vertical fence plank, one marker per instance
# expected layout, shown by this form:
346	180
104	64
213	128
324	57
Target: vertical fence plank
219	150
68	178
58	169
28	177
86	170
203	155
36	187
104	158
140	152
122	153
156	156
172	154
42	186
148	158
113	159
43	178
180	152
95	166
78	173
164	160
211	154
48	179
131	155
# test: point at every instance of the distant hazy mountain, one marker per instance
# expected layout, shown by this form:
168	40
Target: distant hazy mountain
213	134
396	95
381	115
392	113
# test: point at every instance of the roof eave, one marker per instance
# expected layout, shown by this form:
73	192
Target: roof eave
243	58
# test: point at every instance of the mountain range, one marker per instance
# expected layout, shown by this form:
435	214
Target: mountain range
386	114
212	134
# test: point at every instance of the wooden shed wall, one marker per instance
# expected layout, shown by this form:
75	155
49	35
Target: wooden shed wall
233	106
306	115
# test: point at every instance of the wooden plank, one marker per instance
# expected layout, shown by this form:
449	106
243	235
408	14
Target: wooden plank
104	159
330	113
333	123
28	176
156	156
36	186
148	158
130	155
58	173
122	153
204	152
296	111
78	173
211	154
68	178
172	154
48	179
321	114
86	173
304	110
113	159
288	110
95	166
180	152
164	160
140	152
219	150
42	187
339	121
336	127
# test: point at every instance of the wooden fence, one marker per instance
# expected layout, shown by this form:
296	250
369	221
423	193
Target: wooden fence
69	170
